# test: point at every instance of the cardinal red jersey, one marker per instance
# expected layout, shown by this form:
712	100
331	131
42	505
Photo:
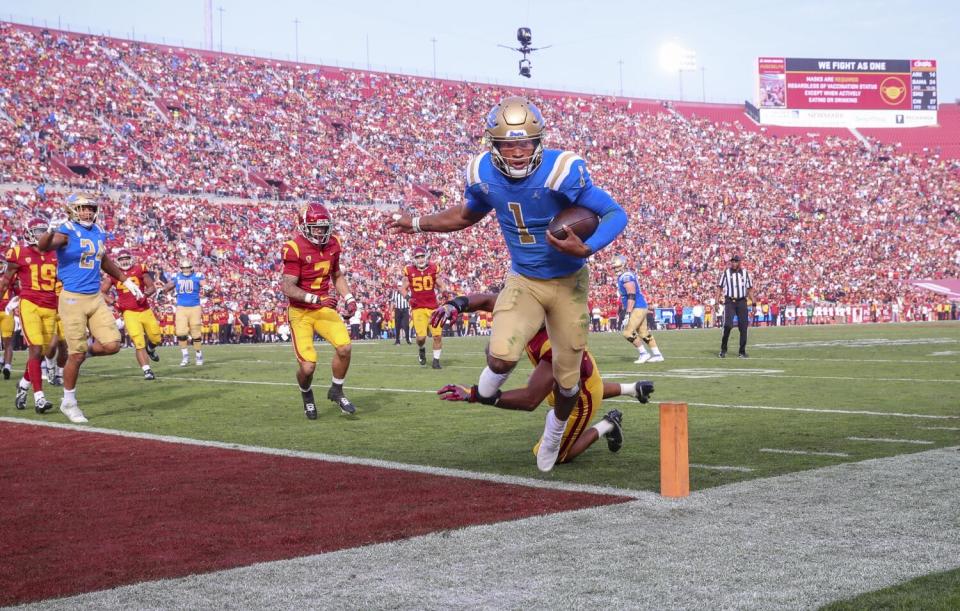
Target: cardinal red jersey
423	293
205	320
8	294
538	349
312	265
169	320
269	317
37	273
126	302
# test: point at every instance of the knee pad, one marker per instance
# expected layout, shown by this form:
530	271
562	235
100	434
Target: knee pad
183	338
630	338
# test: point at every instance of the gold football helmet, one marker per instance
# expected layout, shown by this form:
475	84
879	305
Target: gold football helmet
515	119
77	205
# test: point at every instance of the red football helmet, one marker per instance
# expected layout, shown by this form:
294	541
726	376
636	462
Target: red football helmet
420	257
36	227
315	223
124	259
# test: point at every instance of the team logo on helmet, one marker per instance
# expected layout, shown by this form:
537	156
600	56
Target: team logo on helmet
619	262
315	223
515	120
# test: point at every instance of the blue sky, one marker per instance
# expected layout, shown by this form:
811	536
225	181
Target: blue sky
589	38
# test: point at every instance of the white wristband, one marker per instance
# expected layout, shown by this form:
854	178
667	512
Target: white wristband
415	221
311	298
348	298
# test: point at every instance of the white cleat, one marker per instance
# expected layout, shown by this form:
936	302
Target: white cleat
643	359
184	362
549	448
200	362
656	359
72	411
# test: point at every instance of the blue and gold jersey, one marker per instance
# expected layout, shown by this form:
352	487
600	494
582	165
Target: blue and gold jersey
525	206
622	280
187	288
78	261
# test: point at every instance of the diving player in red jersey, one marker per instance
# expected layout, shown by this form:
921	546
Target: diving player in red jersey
577	436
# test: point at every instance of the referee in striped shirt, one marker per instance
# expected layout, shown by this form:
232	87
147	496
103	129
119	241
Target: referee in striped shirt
401	316
737	290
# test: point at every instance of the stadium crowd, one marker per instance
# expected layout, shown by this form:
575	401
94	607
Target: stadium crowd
207	156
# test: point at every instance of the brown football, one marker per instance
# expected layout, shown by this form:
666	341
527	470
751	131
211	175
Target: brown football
581	220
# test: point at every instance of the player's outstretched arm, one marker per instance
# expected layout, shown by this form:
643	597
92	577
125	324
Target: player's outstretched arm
532	395
524	399
478	302
451	219
8	275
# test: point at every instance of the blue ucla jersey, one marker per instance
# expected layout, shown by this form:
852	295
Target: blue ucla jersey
78	261
525	206
187	289
622	281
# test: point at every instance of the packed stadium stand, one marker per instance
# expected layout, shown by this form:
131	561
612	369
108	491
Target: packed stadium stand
206	155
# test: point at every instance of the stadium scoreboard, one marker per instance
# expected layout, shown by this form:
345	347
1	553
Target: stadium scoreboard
842	92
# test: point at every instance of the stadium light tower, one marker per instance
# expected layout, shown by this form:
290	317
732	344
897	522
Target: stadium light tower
296	40
674	57
220	10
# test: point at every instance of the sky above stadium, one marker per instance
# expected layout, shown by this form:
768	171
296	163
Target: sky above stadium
590	40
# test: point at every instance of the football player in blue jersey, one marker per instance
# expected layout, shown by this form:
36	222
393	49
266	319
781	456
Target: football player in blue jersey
527	185
81	255
634	304
186	286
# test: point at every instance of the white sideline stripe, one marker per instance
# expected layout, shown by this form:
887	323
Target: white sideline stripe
922	442
815	410
733	371
353	460
803	452
939	428
721	468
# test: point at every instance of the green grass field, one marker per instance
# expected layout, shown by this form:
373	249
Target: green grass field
806	389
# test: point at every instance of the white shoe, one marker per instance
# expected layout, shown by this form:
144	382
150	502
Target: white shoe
184	362
656	359
643	359
549	448
200	362
72	411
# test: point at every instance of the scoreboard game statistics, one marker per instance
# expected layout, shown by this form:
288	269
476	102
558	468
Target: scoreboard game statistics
847	92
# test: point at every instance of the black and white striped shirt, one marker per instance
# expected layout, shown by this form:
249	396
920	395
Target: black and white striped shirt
734	284
400	301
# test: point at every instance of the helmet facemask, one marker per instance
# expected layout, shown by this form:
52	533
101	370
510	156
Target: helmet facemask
317	232
515	163
125	261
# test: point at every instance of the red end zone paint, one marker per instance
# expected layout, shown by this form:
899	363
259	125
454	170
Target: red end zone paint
87	511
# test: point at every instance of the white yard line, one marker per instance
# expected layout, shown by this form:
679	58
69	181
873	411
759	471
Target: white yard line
920	442
721	468
816	410
939	428
803	452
